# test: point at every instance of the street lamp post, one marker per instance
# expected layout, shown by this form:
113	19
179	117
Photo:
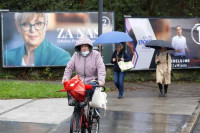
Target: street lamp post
100	23
100	17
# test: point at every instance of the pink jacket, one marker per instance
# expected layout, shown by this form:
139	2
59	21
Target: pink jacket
89	68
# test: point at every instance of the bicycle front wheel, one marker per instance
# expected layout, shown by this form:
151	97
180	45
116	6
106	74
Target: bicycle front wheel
73	124
77	124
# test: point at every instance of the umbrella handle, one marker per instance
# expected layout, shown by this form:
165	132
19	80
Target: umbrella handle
117	58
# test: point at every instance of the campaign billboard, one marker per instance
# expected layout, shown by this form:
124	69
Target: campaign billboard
182	33
40	39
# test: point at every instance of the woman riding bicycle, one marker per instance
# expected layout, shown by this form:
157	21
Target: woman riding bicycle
87	63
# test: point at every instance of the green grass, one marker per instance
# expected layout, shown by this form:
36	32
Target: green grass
33	90
198	80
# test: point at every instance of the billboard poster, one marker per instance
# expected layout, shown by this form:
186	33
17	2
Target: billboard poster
40	39
182	33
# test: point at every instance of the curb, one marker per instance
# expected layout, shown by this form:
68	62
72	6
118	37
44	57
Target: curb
189	126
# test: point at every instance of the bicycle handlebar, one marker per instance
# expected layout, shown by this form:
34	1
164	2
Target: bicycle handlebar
87	87
104	88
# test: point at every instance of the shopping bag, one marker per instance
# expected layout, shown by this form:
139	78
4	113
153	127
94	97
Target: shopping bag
99	99
76	88
125	66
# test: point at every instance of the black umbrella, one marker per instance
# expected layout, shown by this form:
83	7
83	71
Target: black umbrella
157	44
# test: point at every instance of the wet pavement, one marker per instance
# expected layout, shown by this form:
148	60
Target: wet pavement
127	122
141	111
47	111
197	126
24	127
114	122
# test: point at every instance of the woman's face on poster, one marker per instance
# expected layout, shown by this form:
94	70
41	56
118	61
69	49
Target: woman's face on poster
33	30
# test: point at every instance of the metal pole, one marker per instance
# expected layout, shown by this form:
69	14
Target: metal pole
100	23
1	37
100	17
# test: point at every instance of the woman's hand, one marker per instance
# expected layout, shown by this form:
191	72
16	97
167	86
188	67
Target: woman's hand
117	57
157	61
101	83
114	59
65	82
122	59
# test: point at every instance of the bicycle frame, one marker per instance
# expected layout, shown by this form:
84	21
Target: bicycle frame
80	122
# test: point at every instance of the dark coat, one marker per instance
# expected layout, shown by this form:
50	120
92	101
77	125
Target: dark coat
122	54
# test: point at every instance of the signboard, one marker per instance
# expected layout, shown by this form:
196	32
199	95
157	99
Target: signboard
182	33
40	39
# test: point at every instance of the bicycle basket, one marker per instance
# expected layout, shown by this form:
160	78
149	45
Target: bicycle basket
71	100
76	88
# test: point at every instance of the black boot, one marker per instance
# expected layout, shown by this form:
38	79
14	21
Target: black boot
160	88
165	92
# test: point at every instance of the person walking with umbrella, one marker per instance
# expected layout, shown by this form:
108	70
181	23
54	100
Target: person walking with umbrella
163	70
163	62
119	55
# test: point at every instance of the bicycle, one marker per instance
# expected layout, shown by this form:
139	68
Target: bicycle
84	118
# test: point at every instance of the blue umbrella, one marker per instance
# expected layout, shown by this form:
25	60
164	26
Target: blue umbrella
113	37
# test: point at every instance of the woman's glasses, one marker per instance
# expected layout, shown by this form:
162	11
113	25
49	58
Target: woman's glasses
28	26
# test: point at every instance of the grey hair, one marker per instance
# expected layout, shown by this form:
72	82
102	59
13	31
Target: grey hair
22	17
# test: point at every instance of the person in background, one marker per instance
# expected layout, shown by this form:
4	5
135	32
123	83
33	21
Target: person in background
119	55
163	71
179	44
36	50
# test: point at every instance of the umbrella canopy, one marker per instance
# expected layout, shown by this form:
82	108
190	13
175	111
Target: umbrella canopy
157	44
113	37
